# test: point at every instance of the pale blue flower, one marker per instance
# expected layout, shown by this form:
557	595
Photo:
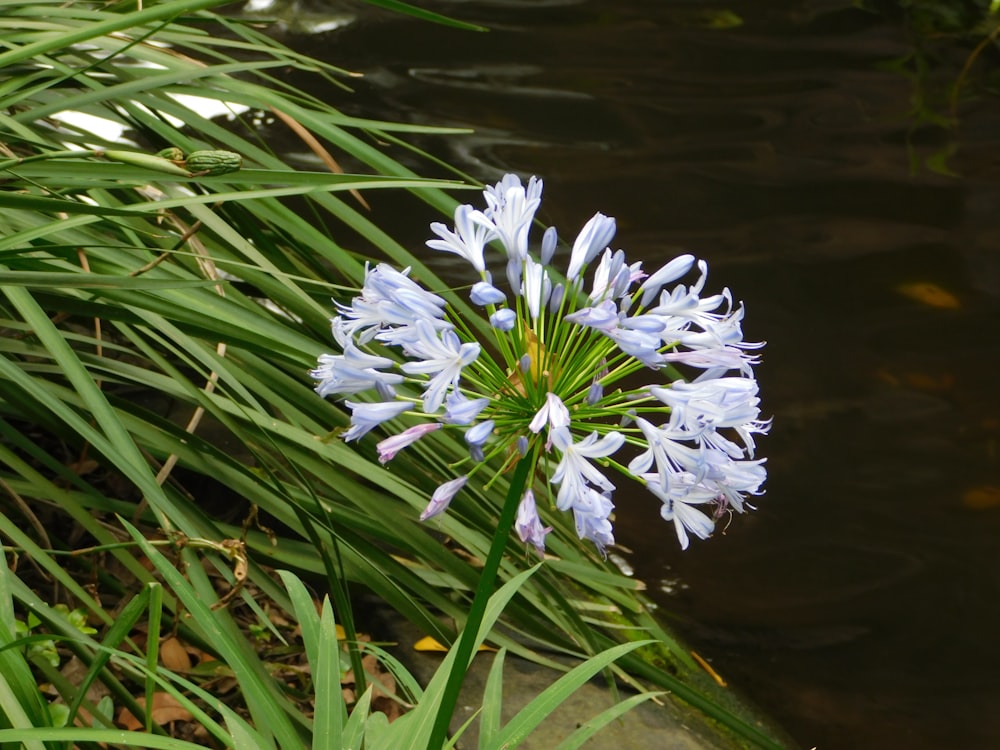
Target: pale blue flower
717	360
592	521
678	506
472	233
511	208
528	524
478	434
365	417
730	479
556	300
595	393
386	285
388	298
462	410
605	316
595	236
352	372
553	415
543	376
606	275
388	448
645	347
484	293
574	472
667	274
704	407
536	287
503	319
549	241
442	497
441	354
666	450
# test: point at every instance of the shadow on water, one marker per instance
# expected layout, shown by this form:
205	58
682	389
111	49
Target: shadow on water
798	147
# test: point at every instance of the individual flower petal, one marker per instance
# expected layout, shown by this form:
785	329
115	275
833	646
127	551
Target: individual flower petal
337	375
478	434
365	417
471	235
604	317
503	319
704	407
549	241
486	294
536	287
595	526
441	354
595	236
511	209
670	455
670	272
574	472
678	501
388	448
553	414
442	497
528	525
462	410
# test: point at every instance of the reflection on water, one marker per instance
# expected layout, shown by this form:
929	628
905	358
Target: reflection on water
859	604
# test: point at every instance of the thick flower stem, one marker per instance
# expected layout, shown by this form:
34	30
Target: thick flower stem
485	589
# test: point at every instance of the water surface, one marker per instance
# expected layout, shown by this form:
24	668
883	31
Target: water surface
785	143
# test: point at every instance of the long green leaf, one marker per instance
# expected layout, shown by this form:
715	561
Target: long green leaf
519	727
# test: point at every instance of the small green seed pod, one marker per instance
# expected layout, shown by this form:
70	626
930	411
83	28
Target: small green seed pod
211	163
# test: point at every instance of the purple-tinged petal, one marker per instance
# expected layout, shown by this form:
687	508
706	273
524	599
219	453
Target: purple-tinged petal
442	497
528	524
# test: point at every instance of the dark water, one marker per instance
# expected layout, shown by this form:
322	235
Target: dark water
860	605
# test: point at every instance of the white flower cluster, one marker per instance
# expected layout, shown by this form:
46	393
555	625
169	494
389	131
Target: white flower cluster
548	382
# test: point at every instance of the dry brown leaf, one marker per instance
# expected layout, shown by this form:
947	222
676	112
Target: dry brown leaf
429	644
981	498
174	656
166	709
930	294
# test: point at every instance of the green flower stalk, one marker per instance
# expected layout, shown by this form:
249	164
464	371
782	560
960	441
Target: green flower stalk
548	392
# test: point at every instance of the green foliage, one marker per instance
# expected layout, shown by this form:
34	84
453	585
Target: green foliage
159	324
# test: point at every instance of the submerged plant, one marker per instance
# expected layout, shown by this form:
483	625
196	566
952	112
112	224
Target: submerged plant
552	385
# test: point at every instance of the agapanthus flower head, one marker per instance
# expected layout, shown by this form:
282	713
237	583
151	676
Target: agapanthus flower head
547	375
